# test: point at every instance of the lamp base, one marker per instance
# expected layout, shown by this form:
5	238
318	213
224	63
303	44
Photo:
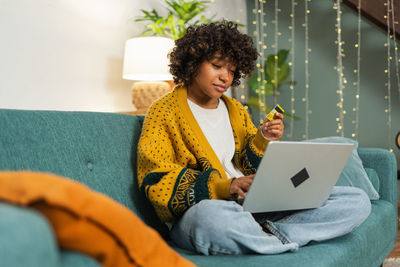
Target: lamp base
145	93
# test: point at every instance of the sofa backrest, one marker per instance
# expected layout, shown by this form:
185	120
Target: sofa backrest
97	149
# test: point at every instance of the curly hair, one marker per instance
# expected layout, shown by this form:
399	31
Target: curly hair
204	42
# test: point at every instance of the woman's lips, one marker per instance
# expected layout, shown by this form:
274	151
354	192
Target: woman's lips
220	88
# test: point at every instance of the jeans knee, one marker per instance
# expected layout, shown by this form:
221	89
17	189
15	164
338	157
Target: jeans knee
204	227
359	202
209	215
359	195
364	203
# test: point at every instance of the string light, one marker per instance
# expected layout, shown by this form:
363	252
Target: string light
258	65
358	71
307	74
275	88
262	48
396	62
259	33
387	71
339	69
292	64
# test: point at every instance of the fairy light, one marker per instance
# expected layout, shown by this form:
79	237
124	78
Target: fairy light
262	48
387	71
259	33
292	65
258	65
396	57
276	21
307	73
357	96
339	69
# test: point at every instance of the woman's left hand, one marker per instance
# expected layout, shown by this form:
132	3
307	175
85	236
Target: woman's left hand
273	130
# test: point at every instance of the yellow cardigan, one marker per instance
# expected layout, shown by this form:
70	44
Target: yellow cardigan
176	165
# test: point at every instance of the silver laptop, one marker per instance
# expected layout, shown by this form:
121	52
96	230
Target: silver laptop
296	175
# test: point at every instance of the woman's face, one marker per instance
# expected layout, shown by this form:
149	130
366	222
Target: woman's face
214	78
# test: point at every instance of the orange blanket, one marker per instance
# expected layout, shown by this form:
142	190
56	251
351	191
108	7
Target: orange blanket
88	221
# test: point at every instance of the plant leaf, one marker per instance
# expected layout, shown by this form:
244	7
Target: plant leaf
288	115
283	73
282	56
254	103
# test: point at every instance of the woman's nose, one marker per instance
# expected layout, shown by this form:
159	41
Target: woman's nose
224	75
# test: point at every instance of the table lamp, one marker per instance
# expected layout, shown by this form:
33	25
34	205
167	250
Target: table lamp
146	62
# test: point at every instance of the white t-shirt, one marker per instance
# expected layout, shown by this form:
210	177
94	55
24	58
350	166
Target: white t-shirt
217	128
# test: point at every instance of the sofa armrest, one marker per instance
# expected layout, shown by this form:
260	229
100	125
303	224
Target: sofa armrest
384	163
27	238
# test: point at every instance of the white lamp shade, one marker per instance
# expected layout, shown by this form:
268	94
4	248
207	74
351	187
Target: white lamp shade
146	59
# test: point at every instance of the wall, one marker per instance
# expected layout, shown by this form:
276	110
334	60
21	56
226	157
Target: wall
373	128
68	55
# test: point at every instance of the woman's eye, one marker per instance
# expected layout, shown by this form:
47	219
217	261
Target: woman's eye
216	66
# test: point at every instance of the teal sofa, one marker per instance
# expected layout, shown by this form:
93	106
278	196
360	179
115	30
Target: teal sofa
99	150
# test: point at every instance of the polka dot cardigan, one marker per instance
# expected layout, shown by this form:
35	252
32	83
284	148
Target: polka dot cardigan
176	165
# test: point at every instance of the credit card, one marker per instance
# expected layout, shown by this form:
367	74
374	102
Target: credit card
271	114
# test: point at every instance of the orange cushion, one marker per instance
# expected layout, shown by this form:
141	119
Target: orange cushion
88	221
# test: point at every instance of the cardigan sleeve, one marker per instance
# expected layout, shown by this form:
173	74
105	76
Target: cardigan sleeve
171	177
253	144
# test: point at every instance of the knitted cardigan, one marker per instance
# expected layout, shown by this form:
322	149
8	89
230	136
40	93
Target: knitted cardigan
176	165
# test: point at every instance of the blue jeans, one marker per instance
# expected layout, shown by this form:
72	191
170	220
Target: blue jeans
222	227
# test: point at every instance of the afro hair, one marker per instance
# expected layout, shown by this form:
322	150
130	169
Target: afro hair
205	42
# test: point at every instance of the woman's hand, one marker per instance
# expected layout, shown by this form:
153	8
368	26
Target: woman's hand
241	185
273	130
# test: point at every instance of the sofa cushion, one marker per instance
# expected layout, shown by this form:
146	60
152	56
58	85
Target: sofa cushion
89	222
353	173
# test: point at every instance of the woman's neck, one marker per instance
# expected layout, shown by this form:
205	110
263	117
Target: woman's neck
202	101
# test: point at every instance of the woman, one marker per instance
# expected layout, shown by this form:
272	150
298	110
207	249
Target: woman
199	151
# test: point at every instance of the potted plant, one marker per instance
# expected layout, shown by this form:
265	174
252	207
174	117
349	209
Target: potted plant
274	66
181	14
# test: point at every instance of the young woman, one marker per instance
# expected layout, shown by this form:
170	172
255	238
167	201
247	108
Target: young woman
199	151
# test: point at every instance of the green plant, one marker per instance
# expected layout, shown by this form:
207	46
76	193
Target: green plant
275	73
181	14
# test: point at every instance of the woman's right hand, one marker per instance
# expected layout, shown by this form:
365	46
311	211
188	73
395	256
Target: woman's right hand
241	185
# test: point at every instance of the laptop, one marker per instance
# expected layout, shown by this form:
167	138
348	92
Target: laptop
296	175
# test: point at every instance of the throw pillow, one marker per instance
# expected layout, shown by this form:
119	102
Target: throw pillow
373	177
353	173
88	221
